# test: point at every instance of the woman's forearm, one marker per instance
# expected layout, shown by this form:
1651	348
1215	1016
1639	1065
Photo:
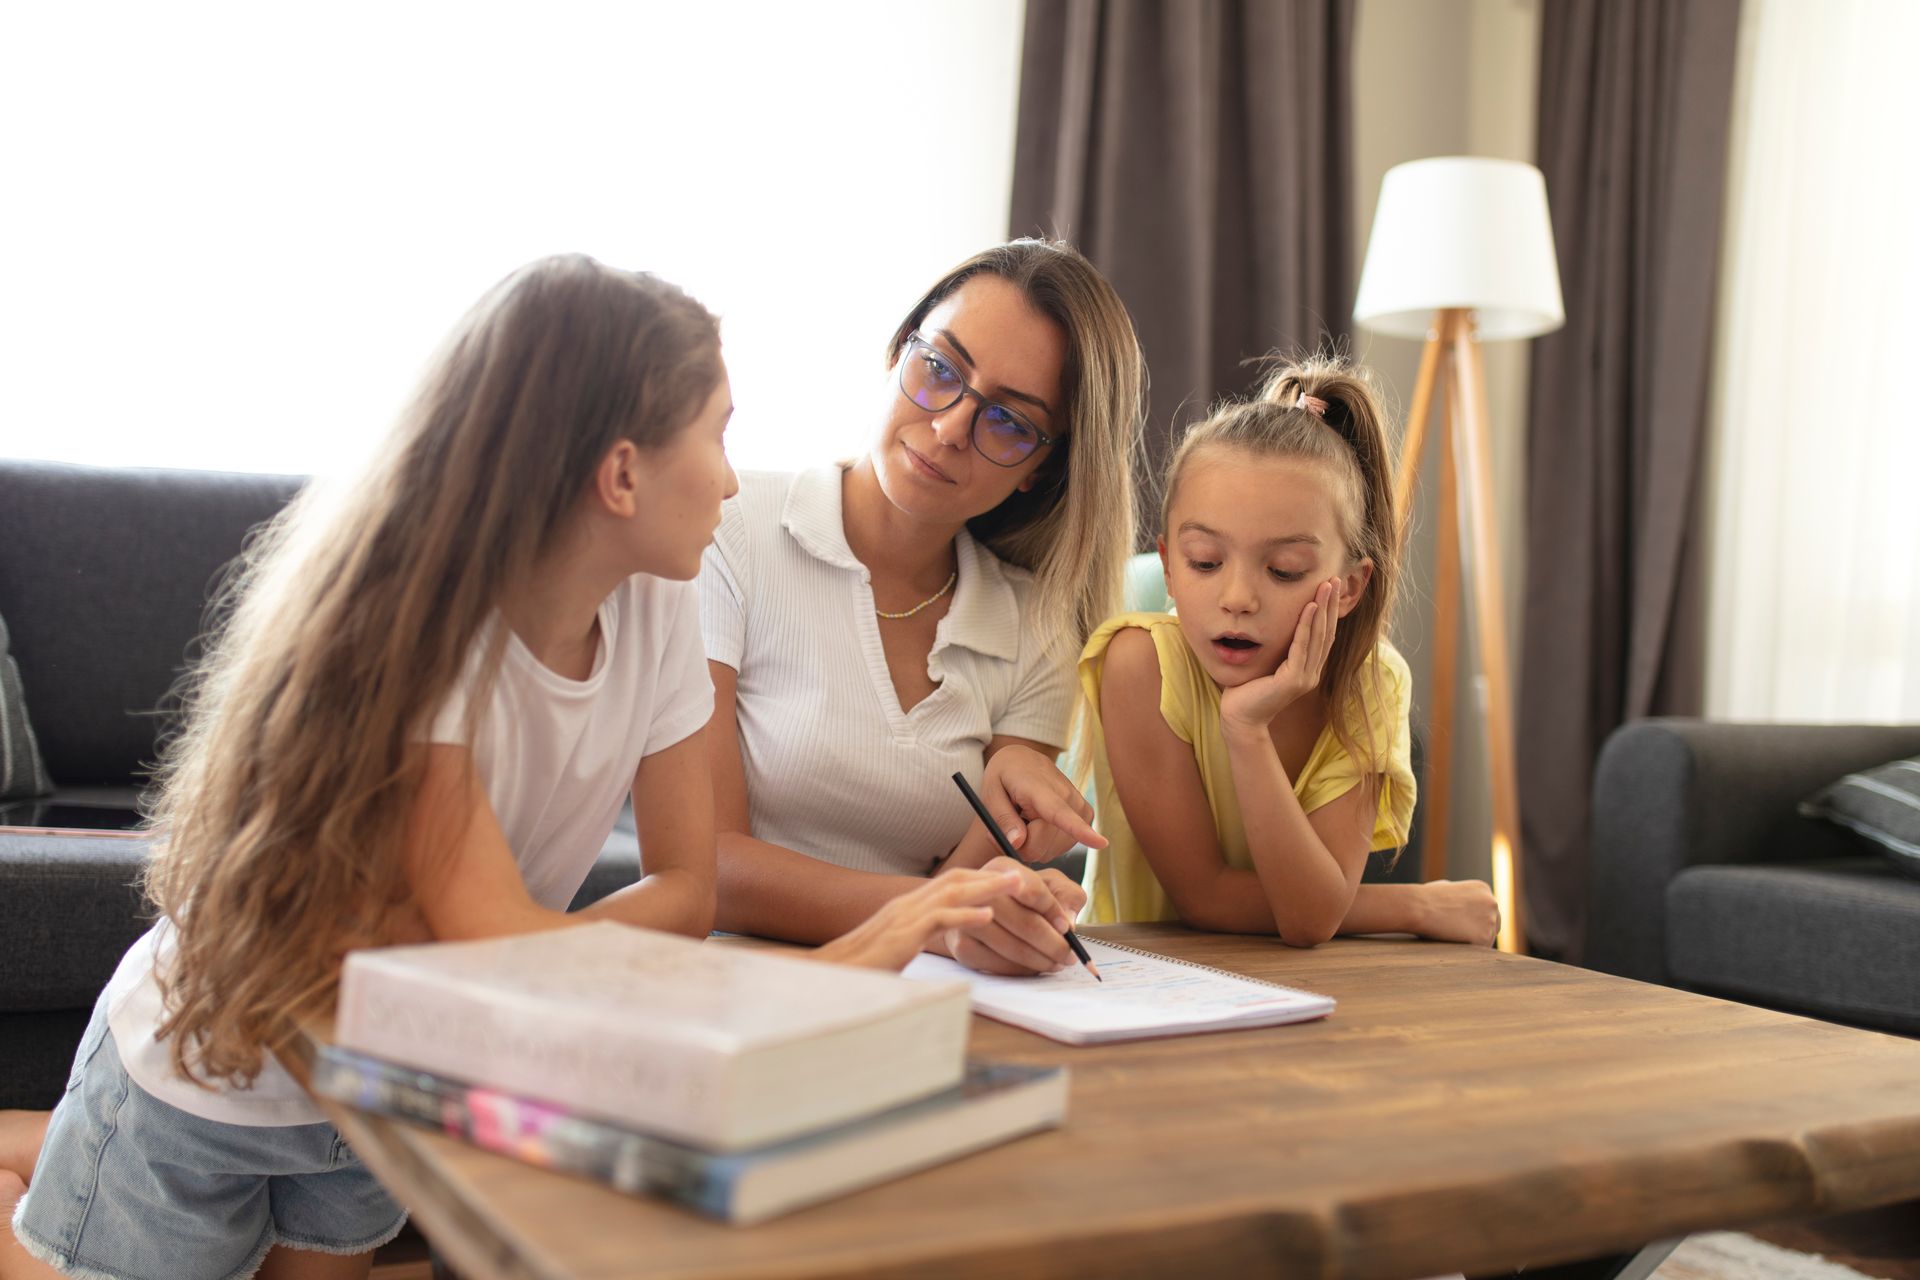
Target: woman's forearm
774	892
674	900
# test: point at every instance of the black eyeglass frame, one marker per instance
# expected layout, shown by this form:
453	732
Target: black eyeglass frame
1041	438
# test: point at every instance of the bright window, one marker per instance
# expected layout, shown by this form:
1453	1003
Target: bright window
1815	607
236	233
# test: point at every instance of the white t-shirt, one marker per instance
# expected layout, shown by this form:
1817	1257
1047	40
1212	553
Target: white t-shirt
557	758
834	767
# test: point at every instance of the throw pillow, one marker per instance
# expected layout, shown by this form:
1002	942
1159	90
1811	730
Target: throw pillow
1882	804
22	775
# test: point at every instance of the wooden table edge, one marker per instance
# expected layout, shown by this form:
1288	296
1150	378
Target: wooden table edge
1322	1236
473	1241
1223	1241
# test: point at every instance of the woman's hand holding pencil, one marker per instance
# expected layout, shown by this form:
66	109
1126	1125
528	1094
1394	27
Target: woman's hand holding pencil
1027	934
1047	944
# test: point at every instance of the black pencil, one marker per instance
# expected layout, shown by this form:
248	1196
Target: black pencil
1000	838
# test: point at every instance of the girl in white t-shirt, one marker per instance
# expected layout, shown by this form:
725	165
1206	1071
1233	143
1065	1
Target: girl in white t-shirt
428	696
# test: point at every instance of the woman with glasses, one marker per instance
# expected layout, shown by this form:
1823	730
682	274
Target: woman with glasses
874	628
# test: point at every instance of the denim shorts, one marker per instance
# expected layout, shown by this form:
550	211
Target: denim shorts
128	1187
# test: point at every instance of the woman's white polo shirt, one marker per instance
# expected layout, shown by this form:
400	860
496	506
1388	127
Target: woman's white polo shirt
834	767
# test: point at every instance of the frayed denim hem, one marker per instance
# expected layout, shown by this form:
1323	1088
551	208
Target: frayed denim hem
368	1245
246	1270
41	1251
68	1265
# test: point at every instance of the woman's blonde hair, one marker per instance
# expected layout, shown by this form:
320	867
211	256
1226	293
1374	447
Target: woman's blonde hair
1074	528
349	620
1351	442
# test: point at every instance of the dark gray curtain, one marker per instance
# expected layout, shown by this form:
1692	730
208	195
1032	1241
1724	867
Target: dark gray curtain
1200	154
1634	103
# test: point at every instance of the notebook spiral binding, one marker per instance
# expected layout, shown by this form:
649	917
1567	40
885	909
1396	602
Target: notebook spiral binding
1195	964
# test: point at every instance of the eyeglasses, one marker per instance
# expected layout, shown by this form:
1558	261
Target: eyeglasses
1001	435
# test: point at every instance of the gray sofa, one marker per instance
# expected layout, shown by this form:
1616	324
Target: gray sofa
104	579
1705	876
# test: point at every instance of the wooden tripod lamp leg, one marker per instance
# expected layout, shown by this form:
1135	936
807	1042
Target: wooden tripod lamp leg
1445	652
1490	630
1416	438
1437	786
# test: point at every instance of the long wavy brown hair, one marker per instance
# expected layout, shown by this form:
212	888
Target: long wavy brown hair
283	799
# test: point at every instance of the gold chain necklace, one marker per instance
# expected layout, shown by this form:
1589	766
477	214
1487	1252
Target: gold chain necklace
951	579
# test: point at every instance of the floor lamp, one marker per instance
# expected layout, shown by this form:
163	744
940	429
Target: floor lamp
1462	253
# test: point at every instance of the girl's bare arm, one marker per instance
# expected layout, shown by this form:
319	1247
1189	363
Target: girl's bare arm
1166	804
673	812
467	884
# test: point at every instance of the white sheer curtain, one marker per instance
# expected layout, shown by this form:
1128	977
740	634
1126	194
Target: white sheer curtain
1814	611
236	231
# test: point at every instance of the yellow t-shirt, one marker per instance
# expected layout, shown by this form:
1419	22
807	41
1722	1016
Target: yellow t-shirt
1120	885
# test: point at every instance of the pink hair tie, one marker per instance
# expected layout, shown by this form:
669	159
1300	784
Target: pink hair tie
1313	405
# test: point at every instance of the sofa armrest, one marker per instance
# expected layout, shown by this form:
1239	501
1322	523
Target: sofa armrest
70	906
1674	793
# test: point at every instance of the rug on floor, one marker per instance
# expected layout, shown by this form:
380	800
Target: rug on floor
1730	1255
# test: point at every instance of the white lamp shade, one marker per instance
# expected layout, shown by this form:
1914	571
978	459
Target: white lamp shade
1461	231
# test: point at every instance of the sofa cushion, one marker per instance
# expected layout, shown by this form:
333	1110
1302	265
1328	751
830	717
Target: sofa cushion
22	775
105	576
1882	804
70	906
36	1053
1838	938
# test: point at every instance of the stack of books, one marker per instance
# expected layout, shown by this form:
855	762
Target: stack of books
739	1083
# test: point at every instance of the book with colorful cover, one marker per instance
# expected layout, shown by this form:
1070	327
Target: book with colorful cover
720	1047
993	1103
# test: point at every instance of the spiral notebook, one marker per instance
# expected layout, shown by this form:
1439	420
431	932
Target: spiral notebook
1143	995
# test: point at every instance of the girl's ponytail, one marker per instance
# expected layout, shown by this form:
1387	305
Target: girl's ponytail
1341	395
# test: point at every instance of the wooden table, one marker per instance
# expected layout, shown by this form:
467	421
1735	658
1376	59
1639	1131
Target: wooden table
1461	1110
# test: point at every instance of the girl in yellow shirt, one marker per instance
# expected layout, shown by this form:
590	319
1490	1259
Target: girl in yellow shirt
1251	749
